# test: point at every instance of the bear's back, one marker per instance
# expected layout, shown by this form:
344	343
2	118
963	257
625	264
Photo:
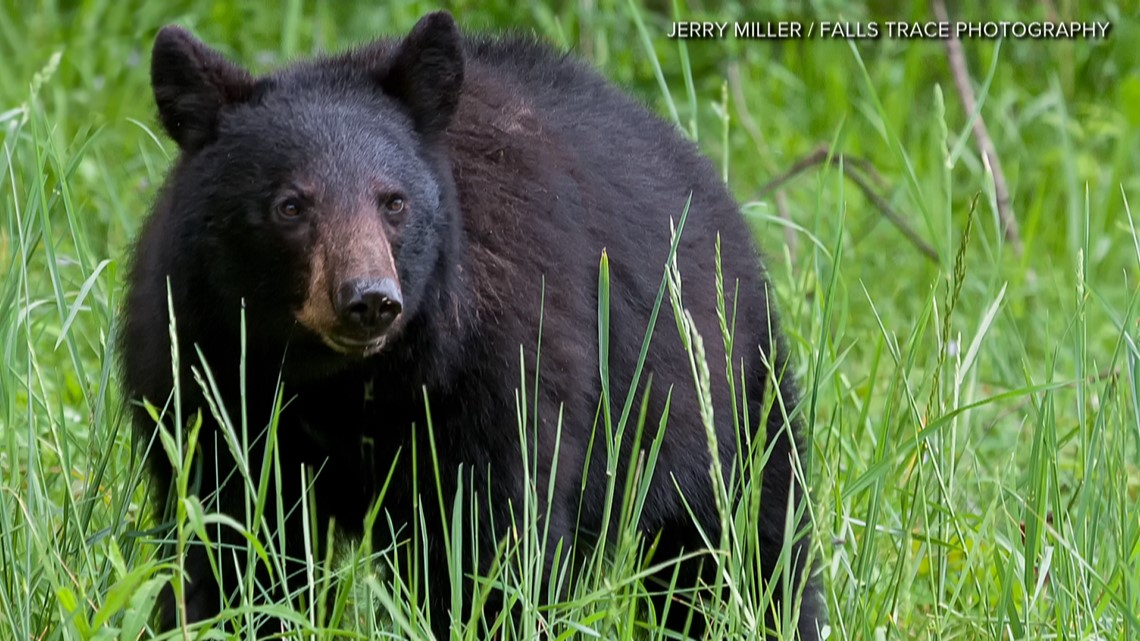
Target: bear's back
554	165
543	145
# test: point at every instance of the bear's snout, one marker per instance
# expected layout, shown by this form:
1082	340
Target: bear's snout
366	307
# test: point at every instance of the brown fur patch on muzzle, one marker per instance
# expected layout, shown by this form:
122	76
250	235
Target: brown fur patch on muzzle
346	248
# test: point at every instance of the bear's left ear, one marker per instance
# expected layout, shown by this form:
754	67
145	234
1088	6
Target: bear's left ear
192	83
426	72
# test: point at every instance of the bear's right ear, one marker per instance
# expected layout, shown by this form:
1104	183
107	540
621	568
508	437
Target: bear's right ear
192	83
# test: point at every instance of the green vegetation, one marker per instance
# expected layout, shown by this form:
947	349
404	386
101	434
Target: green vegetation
973	420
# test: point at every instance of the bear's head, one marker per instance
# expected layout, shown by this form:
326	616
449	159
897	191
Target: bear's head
321	196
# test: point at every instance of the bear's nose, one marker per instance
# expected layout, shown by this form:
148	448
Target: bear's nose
367	305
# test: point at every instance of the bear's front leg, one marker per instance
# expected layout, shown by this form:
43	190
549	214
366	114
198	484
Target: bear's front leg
494	568
217	572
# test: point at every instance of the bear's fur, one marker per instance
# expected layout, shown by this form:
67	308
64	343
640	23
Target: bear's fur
464	184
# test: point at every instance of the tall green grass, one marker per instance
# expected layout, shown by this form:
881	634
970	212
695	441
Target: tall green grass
973	422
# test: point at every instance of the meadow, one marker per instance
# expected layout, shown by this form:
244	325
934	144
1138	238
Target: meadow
971	404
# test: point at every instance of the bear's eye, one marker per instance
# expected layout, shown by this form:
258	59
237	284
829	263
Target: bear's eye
289	209
394	204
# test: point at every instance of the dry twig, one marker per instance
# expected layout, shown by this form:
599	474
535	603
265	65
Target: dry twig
961	74
861	172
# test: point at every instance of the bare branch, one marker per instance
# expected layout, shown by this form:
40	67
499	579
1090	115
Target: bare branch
961	74
861	172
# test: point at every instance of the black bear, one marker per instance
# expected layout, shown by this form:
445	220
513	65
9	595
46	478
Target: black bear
375	235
